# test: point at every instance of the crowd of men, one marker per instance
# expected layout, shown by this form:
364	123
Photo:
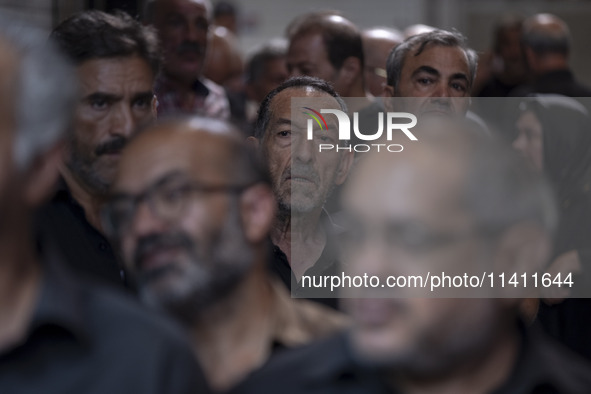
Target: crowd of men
165	207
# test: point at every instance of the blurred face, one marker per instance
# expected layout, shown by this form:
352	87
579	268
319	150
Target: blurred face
407	219
302	176
439	76
7	128
117	97
511	52
275	73
530	139
376	54
307	55
183	31
182	241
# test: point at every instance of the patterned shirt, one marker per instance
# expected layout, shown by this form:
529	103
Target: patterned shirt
209	99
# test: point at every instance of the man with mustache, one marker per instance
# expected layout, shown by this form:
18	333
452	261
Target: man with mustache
58	332
183	31
302	178
191	212
117	60
435	70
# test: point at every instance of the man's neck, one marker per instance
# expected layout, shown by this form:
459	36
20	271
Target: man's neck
550	63
182	87
481	374
301	237
90	203
20	276
234	336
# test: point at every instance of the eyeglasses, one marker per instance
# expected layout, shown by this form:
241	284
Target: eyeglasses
167	199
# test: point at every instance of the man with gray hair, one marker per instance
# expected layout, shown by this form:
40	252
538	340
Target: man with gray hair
117	60
437	69
60	334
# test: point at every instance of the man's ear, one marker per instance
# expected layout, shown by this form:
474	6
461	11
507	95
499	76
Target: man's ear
253	142
258	208
344	167
524	248
42	175
155	107
388	93
350	69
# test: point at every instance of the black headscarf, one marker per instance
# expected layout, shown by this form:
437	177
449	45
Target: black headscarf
566	131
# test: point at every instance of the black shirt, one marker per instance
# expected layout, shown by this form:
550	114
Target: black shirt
62	223
555	82
326	265
329	367
86	339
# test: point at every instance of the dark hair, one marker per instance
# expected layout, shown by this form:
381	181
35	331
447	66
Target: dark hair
544	42
418	43
95	34
256	66
317	84
224	8
506	23
342	39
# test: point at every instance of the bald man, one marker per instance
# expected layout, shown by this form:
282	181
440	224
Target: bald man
191	212
183	30
547	42
378	42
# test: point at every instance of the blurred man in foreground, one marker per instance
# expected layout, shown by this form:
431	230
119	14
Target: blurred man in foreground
58	333
452	201
191	212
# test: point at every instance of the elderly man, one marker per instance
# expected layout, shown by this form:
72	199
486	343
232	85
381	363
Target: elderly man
437	69
452	200
58	333
117	60
302	178
183	30
191	211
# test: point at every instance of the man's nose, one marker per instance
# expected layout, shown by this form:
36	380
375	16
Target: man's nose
123	122
145	222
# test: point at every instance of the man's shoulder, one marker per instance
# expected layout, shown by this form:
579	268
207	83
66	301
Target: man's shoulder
307	369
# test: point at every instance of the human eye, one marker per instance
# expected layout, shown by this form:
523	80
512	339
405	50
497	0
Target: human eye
425	80
99	103
284	134
143	103
460	87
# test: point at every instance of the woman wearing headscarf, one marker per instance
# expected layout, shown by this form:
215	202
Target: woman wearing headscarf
554	134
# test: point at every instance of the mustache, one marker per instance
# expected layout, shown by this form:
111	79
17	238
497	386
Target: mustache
152	242
301	171
190	47
114	145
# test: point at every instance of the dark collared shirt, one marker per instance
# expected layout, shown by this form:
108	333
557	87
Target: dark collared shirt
326	265
86	339
328	367
62	223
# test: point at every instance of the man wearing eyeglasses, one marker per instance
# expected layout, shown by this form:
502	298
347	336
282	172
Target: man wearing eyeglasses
191	210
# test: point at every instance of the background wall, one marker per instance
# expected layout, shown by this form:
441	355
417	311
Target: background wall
262	19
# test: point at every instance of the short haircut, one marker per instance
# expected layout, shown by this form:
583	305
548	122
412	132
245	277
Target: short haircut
46	92
256	66
224	8
95	34
417	44
342	39
264	115
542	41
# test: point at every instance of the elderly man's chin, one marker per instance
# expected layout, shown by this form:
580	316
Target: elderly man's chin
378	346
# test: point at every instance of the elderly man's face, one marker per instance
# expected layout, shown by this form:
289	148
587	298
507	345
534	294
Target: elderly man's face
183	27
302	176
183	240
439	78
407	219
117	98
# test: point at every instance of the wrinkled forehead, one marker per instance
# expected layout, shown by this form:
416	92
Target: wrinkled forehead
282	104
